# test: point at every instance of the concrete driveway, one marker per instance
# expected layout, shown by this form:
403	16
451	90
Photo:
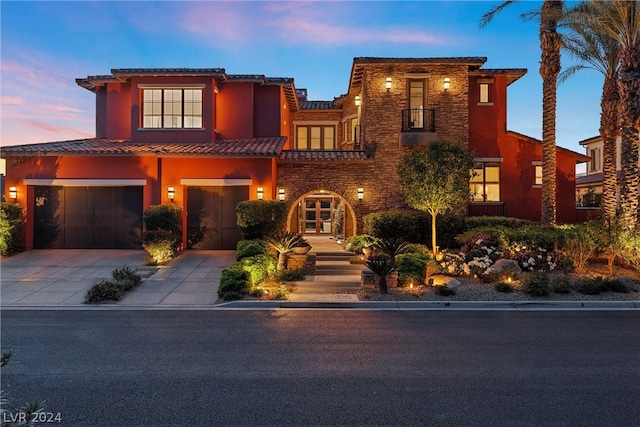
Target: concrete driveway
61	277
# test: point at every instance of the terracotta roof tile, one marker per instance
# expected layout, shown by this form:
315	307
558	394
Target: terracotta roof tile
254	147
323	155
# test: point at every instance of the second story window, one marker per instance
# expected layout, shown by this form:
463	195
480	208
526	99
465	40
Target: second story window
485	184
172	108
484	94
309	137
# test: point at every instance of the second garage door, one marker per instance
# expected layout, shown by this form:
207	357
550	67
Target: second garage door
211	216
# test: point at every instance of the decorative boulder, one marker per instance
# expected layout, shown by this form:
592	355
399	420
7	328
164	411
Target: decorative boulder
440	280
503	265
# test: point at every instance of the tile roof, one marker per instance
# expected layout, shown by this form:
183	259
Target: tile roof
316	105
323	155
589	179
269	147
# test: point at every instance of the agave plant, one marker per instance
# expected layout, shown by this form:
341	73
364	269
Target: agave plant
284	242
381	267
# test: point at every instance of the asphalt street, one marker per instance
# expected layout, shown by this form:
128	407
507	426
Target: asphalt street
325	367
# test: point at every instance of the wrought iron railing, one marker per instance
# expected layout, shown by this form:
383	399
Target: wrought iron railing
487	209
356	138
419	119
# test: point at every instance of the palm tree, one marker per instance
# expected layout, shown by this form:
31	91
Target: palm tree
550	43
600	52
621	20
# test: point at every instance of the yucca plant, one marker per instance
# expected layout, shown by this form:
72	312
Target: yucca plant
284	242
381	267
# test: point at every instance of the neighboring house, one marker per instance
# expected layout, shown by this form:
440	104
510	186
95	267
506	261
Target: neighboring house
589	186
205	140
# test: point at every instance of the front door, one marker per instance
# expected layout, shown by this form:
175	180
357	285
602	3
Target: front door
318	215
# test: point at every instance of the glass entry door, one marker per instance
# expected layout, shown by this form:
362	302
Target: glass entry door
318	215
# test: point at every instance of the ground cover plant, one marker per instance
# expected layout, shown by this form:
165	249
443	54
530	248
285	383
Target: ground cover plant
122	281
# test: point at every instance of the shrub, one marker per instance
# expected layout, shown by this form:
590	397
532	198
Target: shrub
233	279
289	275
561	285
249	248
159	244
413	226
259	267
260	218
281	292
104	290
283	242
444	291
579	245
615	285
590	285
11	224
391	246
232	296
503	287
412	268
126	273
536	284
495	221
416	248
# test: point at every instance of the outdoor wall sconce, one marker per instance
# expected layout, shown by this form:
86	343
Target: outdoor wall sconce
260	193
13	193
387	84
360	193
171	193
358	101
447	83
281	194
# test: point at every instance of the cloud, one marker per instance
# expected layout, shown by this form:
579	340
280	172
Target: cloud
294	23
8	101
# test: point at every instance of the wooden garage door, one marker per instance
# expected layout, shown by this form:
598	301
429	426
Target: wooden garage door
211	216
87	217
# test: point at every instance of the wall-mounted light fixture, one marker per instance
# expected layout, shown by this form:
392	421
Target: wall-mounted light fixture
260	193
13	193
360	193
171	193
216	89
281	194
358	101
447	83
387	84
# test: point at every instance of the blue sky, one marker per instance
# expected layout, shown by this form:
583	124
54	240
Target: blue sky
47	45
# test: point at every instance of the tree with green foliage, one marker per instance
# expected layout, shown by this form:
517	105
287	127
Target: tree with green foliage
436	179
11	225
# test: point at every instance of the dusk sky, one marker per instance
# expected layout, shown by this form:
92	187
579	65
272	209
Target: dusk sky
47	45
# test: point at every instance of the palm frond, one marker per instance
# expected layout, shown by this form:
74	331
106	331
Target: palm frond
488	17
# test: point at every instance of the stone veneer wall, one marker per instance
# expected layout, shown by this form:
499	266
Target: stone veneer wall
381	121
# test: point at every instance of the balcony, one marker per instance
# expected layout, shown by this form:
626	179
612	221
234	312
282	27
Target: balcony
418	126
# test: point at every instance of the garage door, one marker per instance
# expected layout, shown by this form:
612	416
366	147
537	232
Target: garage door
87	217
211	216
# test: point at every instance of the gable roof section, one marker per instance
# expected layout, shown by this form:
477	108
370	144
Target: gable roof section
580	158
359	63
317	105
246	148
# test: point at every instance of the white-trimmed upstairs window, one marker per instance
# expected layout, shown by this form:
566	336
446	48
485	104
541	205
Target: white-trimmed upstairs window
537	174
172	108
310	137
484	95
595	159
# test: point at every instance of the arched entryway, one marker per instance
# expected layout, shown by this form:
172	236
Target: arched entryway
322	213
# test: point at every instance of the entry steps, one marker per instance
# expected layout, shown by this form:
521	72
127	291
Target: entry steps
334	275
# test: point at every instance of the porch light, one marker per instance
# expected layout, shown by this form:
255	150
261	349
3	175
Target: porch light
360	193
358	101
260	193
281	194
447	83
388	83
171	193
13	193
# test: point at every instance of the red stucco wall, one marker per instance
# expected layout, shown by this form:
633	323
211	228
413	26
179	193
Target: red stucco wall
234	110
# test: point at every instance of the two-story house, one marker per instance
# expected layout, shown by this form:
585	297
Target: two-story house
205	140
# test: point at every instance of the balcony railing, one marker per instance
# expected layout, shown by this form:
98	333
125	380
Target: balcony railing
419	119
